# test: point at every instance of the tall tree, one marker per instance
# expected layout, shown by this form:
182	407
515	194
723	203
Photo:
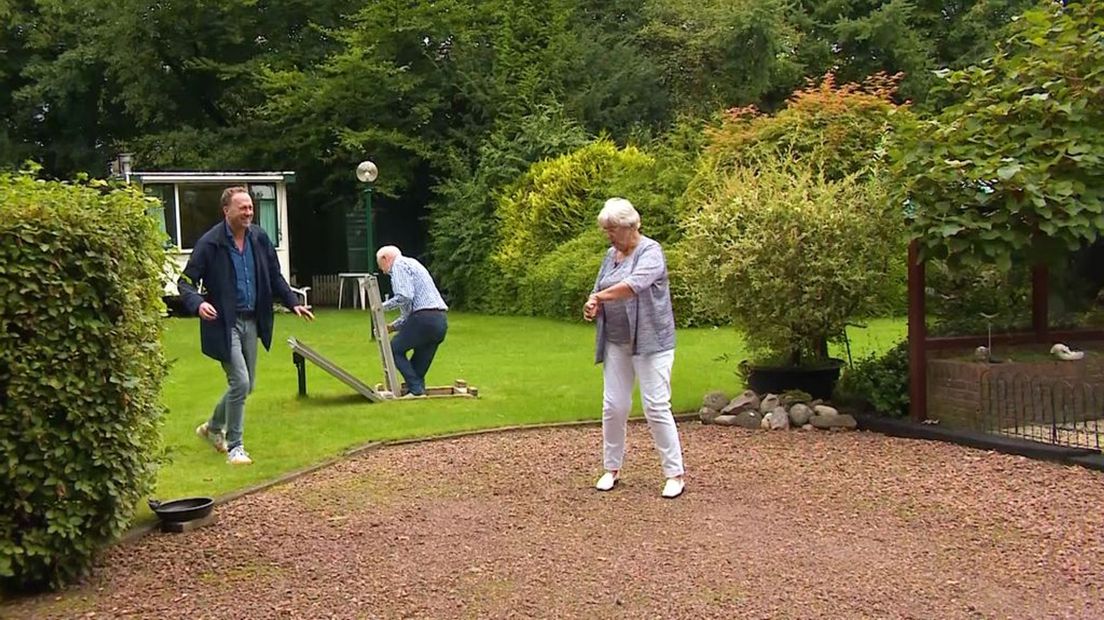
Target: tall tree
857	38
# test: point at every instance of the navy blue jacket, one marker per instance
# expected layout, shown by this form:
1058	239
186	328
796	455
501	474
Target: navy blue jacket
211	263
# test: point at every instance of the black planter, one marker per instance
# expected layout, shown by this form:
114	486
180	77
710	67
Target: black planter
818	381
178	511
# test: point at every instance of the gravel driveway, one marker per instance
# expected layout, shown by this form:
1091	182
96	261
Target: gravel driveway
772	525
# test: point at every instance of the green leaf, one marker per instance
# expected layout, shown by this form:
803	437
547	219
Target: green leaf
1008	171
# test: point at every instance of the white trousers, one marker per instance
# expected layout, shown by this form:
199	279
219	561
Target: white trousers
619	370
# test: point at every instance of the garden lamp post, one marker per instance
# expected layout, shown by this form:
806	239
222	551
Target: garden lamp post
366	173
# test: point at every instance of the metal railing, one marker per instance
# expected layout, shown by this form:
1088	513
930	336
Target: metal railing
1044	409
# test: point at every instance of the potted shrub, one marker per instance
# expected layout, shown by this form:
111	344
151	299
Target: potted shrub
791	257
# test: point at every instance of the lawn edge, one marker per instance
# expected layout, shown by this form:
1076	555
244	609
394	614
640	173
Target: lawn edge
138	531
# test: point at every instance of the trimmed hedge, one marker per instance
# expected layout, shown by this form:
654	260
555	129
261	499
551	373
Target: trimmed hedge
558	199
558	284
80	372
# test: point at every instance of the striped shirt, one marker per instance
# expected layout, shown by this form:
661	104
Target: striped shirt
412	289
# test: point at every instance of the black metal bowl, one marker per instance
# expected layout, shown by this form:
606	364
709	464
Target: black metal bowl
180	510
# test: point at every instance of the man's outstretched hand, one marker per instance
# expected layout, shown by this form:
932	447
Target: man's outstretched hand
303	312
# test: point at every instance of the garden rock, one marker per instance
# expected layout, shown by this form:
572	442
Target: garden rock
715	400
769	402
793	397
779	419
743	402
707	415
748	419
838	421
766	423
825	410
725	420
807	427
800	414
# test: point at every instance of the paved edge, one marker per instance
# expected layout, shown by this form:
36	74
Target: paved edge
1083	457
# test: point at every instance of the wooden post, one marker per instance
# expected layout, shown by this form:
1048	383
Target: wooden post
1040	294
301	368
917	336
379	328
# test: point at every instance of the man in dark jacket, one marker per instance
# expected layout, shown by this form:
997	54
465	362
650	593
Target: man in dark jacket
237	265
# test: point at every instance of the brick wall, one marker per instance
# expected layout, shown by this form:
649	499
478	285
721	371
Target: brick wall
969	394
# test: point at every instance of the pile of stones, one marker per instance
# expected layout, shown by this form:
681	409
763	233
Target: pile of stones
793	409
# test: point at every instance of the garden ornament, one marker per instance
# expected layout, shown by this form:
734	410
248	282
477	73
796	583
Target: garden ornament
1063	352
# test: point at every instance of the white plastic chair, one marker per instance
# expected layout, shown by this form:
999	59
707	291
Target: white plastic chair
302	292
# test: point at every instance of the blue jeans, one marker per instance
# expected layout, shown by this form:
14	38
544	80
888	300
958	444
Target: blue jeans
421	333
240	375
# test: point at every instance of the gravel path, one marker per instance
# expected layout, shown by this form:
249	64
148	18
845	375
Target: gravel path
772	525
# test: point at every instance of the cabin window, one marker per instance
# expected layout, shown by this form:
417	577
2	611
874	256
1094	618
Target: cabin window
188	210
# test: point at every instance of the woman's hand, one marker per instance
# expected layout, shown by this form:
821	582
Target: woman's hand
590	309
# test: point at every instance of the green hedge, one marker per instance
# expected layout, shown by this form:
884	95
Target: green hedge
80	372
558	199
558	284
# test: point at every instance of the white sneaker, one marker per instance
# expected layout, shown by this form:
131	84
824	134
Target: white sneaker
607	481
673	488
217	440
238	456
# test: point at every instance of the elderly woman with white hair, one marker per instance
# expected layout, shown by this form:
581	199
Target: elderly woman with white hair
631	302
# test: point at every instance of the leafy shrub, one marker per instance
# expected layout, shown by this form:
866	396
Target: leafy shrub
680	269
1015	170
879	382
558	284
80	372
792	256
833	130
557	199
556	202
464	229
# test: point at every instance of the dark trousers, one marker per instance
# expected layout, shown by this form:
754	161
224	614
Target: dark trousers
422	333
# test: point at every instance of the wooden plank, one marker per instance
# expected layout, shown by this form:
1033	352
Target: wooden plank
379	326
324	290
937	343
335	370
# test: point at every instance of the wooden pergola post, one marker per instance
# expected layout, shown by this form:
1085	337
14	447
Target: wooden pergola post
917	336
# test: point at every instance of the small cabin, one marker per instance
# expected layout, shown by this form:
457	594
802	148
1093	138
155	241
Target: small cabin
190	206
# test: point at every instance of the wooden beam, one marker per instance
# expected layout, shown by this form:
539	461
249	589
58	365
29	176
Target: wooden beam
943	343
917	336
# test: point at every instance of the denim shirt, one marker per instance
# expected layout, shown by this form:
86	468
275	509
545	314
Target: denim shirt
245	271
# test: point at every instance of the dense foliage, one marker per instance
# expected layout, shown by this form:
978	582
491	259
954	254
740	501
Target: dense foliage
879	382
834	130
80	372
428	89
1015	169
792	256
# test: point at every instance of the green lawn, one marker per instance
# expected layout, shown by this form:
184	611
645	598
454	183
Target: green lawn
527	370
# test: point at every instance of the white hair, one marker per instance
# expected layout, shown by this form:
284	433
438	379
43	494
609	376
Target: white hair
619	212
389	251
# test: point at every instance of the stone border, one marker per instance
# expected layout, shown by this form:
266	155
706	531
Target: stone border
138	531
